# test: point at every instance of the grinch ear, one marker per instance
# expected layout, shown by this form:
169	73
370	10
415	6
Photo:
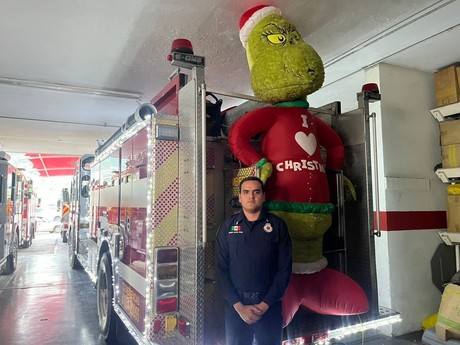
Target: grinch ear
252	17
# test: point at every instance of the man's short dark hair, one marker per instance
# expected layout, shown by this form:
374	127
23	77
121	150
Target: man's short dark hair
251	178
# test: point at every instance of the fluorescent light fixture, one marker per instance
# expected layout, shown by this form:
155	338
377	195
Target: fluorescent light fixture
71	88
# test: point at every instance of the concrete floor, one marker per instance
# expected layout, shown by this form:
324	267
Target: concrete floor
45	302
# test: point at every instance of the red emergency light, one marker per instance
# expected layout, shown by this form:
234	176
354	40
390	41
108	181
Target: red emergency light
180	45
370	87
166	305
183	326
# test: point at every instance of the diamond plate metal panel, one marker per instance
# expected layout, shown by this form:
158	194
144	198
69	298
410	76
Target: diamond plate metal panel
164	190
191	280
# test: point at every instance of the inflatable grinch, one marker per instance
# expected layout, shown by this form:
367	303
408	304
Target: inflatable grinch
284	70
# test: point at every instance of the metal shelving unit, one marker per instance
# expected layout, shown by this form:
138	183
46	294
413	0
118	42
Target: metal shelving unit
452	239
443	113
449	175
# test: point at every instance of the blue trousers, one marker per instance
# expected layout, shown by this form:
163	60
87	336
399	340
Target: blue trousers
267	331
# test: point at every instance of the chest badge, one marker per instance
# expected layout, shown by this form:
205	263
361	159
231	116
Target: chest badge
235	229
268	227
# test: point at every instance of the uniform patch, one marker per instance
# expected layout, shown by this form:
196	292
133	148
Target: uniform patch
268	227
235	228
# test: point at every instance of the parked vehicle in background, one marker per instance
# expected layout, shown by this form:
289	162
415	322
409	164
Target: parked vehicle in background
48	224
12	183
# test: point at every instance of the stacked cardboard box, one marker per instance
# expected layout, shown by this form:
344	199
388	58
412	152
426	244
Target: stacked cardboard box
448	322
447	85
450	143
453	208
450	149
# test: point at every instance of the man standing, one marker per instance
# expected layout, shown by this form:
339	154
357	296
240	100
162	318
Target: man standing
253	269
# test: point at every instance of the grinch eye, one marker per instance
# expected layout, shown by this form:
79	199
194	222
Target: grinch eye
276	38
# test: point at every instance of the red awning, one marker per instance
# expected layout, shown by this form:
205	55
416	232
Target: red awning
52	165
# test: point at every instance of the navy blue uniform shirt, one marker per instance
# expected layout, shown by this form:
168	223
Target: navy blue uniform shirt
253	257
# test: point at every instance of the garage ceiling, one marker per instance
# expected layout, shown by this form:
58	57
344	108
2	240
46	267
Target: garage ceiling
72	71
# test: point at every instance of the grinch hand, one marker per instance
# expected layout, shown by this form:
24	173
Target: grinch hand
284	70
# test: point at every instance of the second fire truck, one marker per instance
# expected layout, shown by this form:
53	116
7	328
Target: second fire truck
12	184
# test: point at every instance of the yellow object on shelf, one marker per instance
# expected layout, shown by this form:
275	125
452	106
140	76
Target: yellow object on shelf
453	189
430	322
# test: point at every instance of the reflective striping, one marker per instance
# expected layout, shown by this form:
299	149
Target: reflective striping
165	192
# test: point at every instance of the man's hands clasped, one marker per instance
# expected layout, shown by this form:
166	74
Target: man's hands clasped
251	313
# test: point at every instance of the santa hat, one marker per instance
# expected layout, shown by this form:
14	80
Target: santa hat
252	17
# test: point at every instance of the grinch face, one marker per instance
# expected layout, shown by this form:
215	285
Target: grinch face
283	67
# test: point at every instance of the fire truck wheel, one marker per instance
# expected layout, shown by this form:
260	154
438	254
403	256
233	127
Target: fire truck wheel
26	244
12	260
73	260
64	237
104	290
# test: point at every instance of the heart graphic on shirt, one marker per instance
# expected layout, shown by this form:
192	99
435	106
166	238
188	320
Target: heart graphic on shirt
306	142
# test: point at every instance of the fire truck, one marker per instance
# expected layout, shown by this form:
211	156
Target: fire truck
12	184
158	189
29	222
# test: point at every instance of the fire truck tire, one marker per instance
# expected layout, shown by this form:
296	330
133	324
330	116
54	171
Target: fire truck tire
12	260
64	237
104	290
73	260
26	244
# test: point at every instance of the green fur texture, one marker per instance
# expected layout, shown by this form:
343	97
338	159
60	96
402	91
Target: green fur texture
283	67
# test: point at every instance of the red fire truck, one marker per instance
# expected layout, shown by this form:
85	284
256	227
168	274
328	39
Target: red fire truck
12	184
158	190
29	222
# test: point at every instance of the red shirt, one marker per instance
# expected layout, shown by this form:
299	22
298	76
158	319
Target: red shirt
291	142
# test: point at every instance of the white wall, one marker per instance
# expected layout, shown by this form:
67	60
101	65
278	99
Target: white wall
343	90
408	149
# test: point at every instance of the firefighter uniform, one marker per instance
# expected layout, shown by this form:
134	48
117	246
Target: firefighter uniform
253	265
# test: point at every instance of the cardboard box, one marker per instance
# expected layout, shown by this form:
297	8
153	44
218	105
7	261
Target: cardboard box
448	323
446	85
450	156
450	132
453	213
